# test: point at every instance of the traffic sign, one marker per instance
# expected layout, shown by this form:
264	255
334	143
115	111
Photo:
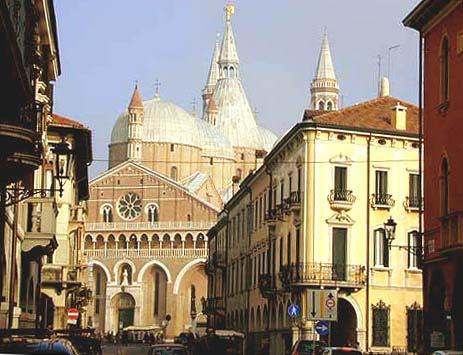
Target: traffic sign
322	327
73	313
322	305
294	310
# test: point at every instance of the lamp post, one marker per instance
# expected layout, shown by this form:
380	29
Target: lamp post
62	172
390	230
390	227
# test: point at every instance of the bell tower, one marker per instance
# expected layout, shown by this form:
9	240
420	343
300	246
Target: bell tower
324	89
135	126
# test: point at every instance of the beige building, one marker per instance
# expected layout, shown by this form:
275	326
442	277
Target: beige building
319	204
169	174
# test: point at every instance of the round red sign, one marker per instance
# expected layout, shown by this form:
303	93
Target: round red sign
73	313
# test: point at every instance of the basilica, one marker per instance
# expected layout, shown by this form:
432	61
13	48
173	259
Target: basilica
169	175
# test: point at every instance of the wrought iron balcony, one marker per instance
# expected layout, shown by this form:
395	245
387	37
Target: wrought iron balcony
413	203
341	199
271	215
323	274
215	305
384	201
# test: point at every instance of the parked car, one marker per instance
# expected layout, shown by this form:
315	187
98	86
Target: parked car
19	345
447	352
168	349
341	351
305	347
84	340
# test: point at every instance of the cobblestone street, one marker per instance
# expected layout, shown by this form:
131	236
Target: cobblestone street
125	350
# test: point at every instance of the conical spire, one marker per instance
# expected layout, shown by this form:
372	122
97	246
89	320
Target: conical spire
136	101
228	52
324	89
214	68
325	68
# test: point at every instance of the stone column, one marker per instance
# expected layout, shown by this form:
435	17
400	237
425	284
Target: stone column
171	301
138	247
361	338
109	315
105	248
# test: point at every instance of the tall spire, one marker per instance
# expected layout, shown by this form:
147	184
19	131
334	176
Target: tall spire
136	100
324	89
212	76
234	115
228	52
325	67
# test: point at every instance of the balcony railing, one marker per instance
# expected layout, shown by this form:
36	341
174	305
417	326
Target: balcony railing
413	203
136	226
341	199
146	253
323	274
271	215
451	232
382	201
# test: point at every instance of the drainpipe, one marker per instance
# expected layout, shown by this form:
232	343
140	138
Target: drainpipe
421	180
367	296
14	240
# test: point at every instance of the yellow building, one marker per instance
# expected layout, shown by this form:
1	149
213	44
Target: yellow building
319	205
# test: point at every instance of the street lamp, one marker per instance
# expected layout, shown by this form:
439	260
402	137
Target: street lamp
390	226
62	171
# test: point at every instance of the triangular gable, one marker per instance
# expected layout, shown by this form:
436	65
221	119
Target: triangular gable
154	174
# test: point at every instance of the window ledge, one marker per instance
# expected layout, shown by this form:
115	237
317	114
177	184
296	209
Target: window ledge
381	268
413	270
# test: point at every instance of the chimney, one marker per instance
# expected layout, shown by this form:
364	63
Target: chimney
399	117
384	89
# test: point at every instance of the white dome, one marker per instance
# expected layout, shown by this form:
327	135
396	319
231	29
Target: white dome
163	122
213	142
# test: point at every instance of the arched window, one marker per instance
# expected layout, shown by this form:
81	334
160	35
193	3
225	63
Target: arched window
125	276
329	106
415	247
321	106
444	70
225	72
232	72
153	213
107	214
173	173
444	189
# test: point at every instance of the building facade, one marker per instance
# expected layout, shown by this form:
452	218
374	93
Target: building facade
316	219
30	63
169	174
440	24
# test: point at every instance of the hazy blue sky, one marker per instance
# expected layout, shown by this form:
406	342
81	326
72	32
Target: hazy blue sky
106	45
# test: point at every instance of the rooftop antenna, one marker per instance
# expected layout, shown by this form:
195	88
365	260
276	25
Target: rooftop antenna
389	74
379	71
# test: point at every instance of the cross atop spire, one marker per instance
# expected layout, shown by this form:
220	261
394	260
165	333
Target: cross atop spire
325	67
157	86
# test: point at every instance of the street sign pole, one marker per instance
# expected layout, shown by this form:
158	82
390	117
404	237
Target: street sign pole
329	334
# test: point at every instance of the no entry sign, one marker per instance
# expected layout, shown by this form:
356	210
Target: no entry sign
73	314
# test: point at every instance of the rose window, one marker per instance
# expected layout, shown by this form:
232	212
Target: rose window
129	206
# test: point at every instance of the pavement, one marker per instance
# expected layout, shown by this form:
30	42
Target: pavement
138	349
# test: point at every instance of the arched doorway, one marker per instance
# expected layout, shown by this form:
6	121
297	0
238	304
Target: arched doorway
344	331
436	302
123	305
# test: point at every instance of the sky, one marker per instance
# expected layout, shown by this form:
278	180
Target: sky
107	45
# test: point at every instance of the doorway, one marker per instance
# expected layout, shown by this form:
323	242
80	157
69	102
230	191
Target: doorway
344	331
124	307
